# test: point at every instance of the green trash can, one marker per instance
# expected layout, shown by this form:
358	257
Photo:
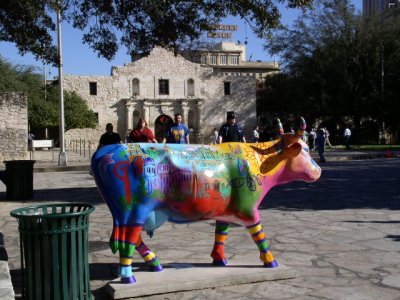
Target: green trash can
19	179
54	251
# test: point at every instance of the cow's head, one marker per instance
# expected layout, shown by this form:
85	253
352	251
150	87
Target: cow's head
288	159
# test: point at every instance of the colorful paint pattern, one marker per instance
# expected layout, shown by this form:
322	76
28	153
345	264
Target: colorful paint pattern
145	185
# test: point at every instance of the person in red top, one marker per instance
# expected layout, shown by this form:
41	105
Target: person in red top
142	134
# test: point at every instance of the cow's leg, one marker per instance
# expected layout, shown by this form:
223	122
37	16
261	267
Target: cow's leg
149	257
128	236
257	233
221	234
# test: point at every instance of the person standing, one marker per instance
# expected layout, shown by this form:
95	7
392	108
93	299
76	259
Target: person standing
215	137
347	135
31	137
141	134
327	141
311	139
230	131
177	133
256	135
109	137
320	143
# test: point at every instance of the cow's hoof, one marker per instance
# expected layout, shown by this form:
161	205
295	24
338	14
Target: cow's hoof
127	280
158	268
272	264
220	262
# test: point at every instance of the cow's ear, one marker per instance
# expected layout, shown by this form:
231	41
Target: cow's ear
293	150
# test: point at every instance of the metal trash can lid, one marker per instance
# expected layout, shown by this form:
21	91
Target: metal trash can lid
50	211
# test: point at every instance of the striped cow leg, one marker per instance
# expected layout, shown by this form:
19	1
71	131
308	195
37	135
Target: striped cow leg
124	240
149	257
257	233
221	234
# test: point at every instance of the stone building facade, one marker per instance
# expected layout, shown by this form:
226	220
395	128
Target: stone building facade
13	126
161	84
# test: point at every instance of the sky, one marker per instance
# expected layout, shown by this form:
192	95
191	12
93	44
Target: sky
79	59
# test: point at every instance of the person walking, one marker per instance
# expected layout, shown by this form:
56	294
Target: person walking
230	131
142	134
177	133
347	135
311	138
109	137
327	141
256	135
320	142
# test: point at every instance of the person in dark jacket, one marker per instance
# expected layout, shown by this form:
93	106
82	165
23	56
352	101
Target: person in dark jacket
230	131
109	137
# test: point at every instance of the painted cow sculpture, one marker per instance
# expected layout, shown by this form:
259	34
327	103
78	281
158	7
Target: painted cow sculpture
145	185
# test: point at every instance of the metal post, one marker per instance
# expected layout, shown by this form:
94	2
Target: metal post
62	158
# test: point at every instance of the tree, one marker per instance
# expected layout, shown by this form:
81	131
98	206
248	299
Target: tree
43	110
136	24
333	57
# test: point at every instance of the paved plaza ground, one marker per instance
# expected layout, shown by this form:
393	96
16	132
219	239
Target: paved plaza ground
341	234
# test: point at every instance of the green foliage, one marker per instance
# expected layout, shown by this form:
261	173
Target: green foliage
28	24
77	112
43	105
333	63
138	25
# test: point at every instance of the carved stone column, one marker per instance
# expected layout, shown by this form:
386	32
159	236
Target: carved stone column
185	111
199	113
129	115
198	133
146	111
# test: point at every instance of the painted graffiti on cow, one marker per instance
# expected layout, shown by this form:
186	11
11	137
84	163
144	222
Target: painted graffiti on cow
145	186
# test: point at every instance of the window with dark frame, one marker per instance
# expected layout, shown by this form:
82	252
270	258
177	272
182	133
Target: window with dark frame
93	88
163	87
227	88
190	87
135	87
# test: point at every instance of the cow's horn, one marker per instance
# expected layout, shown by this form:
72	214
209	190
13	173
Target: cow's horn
301	127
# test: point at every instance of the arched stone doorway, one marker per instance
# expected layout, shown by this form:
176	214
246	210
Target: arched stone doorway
160	126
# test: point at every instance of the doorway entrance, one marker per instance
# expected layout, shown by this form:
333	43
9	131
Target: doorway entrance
161	125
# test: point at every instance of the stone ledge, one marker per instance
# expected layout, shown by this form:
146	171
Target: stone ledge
178	277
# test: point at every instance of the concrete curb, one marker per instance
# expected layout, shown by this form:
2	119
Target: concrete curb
178	277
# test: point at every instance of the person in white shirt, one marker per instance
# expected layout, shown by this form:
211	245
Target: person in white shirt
347	135
327	141
256	135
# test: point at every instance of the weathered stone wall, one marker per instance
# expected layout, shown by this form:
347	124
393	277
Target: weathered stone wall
114	91
13	126
89	135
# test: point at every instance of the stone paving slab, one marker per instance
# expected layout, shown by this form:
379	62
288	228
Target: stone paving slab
178	277
6	288
340	234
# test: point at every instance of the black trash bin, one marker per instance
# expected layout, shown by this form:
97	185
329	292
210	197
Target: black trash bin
54	251
19	179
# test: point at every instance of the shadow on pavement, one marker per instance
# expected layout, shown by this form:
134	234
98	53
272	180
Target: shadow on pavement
394	237
88	195
358	184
